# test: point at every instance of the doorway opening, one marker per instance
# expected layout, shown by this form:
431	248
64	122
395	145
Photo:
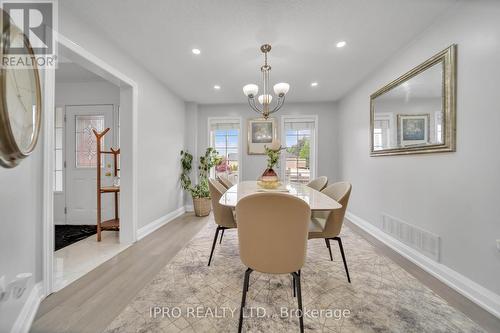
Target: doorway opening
84	102
87	97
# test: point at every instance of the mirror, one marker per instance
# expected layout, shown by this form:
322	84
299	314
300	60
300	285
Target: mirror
416	112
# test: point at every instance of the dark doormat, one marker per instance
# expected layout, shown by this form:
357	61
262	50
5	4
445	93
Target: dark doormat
68	234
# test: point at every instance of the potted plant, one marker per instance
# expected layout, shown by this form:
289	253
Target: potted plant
199	192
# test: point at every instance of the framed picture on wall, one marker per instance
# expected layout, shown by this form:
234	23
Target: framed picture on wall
261	132
413	129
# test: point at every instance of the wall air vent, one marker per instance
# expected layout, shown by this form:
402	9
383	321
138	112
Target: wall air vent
416	238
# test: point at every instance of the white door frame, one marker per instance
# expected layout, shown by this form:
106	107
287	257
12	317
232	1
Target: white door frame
128	106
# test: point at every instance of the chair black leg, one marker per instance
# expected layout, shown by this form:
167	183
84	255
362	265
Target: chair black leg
244	297
221	235
327	241
213	245
293	287
343	257
296	277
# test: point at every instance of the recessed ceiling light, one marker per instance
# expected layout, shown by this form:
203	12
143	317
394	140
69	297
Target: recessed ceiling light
314	84
217	87
342	43
196	51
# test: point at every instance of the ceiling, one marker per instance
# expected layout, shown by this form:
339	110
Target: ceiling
161	33
69	72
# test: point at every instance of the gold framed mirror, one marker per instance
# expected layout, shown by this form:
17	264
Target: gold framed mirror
416	113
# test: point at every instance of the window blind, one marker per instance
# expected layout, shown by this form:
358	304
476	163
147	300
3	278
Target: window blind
298	125
228	124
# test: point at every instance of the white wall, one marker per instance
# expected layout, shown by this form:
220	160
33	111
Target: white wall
454	195
160	138
254	165
21	227
81	93
191	144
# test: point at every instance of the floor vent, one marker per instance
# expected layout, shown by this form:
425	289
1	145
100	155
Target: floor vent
418	239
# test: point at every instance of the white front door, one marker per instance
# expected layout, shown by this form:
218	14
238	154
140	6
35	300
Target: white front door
81	159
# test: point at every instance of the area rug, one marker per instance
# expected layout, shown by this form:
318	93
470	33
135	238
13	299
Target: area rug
188	296
68	234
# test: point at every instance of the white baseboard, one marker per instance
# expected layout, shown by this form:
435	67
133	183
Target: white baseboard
158	223
189	208
483	297
28	312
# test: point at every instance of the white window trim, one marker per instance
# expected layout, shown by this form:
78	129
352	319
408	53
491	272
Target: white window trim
231	120
391	118
437	115
314	160
63	149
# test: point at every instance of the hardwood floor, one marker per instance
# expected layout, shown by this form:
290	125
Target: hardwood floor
93	301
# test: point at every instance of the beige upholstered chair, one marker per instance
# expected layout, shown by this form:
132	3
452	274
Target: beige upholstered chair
319	183
223	215
225	181
272	233
327	225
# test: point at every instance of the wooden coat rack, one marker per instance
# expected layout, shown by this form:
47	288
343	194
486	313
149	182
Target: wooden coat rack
112	224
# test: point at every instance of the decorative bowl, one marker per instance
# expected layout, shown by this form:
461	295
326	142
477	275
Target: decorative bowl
269	185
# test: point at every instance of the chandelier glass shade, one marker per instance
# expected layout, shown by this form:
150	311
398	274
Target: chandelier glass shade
265	99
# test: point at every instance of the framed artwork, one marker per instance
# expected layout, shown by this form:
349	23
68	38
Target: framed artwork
413	129
261	132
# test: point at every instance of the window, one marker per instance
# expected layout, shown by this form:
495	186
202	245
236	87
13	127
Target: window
58	154
439	126
225	138
381	134
384	136
86	144
299	158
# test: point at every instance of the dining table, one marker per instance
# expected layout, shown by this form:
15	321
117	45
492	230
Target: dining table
316	200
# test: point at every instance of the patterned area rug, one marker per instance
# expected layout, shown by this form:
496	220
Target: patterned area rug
188	296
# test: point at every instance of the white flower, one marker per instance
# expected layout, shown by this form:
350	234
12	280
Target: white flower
275	145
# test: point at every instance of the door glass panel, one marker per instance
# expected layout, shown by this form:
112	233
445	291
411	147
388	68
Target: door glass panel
225	141
86	145
298	155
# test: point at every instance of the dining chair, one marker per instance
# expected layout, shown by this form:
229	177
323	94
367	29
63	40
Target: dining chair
224	216
319	183
224	180
327	225
272	234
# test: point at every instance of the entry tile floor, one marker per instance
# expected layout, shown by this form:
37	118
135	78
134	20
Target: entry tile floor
76	260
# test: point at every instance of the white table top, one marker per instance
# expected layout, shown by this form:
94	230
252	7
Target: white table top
317	201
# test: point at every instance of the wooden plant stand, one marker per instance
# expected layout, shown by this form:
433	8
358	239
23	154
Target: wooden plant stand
113	224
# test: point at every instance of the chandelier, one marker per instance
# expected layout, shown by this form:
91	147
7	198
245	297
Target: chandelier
280	89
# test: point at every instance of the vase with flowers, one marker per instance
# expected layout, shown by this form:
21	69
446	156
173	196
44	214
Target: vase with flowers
269	178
